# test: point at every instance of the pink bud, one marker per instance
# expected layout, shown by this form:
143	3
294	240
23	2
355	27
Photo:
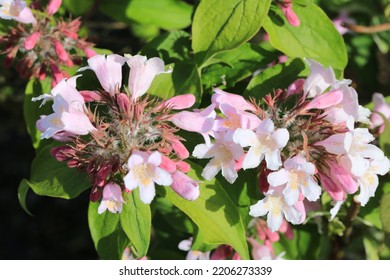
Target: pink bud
62	53
184	186
53	6
180	149
101	176
89	52
123	102
290	15
62	153
325	100
223	252
296	87
183	166
31	40
180	102
90	95
331	187
167	164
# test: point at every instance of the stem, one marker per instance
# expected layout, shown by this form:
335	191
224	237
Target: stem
353	211
367	29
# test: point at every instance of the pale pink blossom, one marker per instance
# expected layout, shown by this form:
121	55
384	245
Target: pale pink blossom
342	18
112	199
69	111
340	172
144	172
332	188
265	143
16	10
355	145
319	79
108	70
233	100
296	87
180	102
325	100
369	182
53	6
297	177
184	186
276	208
263	251
223	153
381	110
142	73
185	245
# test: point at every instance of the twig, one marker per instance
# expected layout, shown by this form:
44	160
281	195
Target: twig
367	29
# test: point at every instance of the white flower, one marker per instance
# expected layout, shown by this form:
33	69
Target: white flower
297	176
276	207
144	172
112	199
185	245
265	143
224	153
319	79
369	181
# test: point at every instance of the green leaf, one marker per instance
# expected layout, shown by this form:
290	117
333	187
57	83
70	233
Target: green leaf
145	32
78	8
22	194
167	14
32	111
136	222
384	137
50	177
107	234
221	25
183	79
236	65
213	212
278	76
171	47
385	212
320	42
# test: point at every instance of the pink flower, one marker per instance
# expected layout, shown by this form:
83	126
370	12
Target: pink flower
235	119
233	100
297	176
224	154
142	73
325	100
16	10
144	172
332	188
69	111
343	178
53	6
263	251
108	70
180	102
265	143
62	53
184	186
112	199
31	40
382	107
319	79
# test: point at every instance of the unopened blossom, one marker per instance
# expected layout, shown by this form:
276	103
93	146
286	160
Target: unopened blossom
297	176
144	172
16	10
381	110
291	16
112	199
185	245
53	6
233	100
276	209
368	183
266	143
185	186
223	153
263	251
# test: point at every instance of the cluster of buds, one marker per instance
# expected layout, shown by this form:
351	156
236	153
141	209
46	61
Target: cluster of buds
41	44
302	141
122	138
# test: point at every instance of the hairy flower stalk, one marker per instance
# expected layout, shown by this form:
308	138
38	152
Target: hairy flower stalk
121	137
303	141
40	44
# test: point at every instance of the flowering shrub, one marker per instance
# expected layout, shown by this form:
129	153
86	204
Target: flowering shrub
208	144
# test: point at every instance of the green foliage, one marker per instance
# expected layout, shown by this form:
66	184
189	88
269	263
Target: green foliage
136	222
221	25
107	234
22	194
78	8
166	14
278	76
385	212
320	42
53	178
214	213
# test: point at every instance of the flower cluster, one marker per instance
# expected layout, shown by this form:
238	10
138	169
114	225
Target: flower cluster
120	137
40	44
302	140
